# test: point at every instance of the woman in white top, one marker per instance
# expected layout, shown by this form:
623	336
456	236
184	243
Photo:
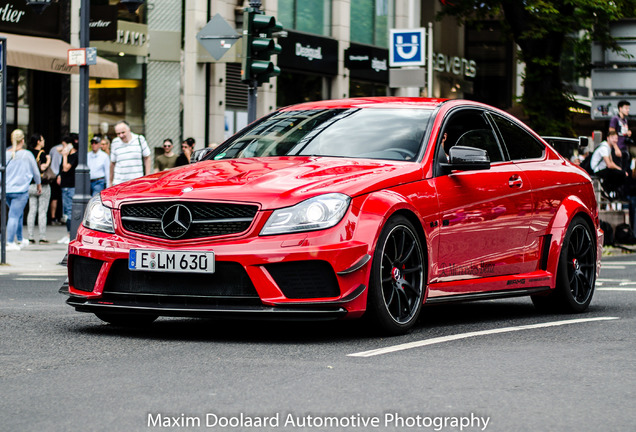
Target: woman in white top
21	169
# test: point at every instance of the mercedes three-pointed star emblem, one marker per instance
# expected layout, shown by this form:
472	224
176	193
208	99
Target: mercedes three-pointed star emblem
176	221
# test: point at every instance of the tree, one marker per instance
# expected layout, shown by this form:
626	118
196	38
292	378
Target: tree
540	29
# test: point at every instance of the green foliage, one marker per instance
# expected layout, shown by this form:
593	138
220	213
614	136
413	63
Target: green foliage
541	29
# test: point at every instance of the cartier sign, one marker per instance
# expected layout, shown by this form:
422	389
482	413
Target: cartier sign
18	18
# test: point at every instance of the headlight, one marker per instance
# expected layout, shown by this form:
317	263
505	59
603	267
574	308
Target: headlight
97	216
316	213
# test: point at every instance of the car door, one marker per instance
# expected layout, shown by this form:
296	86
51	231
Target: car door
484	213
529	155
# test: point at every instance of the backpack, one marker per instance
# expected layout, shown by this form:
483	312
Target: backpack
608	239
586	164
624	234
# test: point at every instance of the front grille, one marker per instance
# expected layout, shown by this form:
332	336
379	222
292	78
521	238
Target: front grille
305	279
208	219
229	280
85	272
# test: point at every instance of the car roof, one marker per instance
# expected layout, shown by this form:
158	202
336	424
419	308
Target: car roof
369	102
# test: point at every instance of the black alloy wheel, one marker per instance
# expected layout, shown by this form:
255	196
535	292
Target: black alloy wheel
576	273
396	290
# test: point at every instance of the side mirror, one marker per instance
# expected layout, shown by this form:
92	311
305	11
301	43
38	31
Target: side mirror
463	158
199	155
583	143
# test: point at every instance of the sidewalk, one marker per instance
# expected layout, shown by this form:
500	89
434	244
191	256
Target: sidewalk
37	259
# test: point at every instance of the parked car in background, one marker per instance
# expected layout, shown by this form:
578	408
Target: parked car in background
341	209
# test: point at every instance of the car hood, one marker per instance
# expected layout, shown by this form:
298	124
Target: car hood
271	182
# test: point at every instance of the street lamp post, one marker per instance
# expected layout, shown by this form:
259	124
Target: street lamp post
82	173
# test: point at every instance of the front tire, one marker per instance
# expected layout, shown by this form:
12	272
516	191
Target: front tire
396	288
576	272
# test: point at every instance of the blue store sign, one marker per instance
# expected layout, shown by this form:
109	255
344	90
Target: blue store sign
407	47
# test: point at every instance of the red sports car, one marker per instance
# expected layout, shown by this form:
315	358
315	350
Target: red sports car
338	209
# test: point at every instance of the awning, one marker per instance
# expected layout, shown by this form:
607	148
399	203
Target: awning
50	55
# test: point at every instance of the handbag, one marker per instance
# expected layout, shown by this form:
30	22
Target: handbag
48	176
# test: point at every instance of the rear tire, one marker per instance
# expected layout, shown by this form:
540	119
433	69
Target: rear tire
396	287
576	272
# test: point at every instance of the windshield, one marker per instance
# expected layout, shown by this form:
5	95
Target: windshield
391	134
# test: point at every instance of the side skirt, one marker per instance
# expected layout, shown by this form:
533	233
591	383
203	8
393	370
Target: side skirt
487	295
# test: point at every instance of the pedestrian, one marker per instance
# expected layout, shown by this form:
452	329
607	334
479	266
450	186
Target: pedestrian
39	202
167	159
99	166
130	155
612	176
105	145
66	180
618	123
56	193
21	168
187	148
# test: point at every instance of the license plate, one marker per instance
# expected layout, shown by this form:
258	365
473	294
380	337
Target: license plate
171	261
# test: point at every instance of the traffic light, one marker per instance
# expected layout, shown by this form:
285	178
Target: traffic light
259	46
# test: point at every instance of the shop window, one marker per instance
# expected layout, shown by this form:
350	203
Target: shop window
371	20
310	16
17	99
112	100
365	89
297	88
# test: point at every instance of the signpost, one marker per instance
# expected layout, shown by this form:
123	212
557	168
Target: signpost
409	50
217	37
407	47
3	150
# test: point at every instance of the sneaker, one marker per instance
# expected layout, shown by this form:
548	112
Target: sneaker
24	243
44	241
64	240
64	219
13	246
31	241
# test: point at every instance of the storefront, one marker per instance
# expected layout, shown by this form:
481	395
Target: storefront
308	63
38	84
112	100
368	70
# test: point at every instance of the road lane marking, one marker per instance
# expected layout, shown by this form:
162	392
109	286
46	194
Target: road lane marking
442	339
617	289
36	279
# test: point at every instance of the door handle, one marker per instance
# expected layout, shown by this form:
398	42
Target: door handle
515	181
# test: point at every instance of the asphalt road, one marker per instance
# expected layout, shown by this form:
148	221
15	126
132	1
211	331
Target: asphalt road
493	365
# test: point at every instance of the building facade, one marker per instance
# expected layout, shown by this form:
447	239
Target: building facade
168	86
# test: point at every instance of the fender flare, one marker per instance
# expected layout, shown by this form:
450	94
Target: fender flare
378	207
570	207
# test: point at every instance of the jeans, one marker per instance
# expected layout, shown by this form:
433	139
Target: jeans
97	186
632	211
67	205
17	202
38	205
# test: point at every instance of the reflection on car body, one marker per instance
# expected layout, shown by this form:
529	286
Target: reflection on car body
339	209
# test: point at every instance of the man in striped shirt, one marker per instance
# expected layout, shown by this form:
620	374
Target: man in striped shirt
129	155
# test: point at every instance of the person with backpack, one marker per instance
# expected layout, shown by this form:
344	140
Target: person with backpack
612	176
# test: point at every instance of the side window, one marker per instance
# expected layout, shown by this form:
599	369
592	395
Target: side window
469	128
519	143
